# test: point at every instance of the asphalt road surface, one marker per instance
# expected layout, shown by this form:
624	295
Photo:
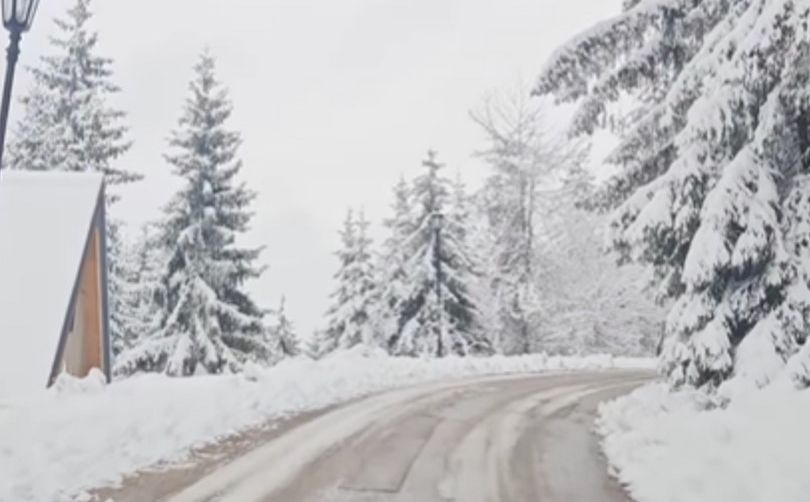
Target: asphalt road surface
506	439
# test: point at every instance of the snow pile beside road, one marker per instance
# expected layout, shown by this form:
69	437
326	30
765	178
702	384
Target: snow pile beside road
82	434
681	447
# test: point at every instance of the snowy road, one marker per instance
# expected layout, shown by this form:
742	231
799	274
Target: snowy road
488	440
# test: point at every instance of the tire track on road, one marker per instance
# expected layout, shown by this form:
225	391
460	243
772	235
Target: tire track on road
469	441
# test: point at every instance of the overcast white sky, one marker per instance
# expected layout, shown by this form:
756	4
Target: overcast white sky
334	98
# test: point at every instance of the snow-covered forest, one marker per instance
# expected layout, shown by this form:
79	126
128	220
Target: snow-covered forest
709	197
703	219
515	266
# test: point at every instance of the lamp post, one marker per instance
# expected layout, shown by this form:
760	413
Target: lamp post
17	18
436	222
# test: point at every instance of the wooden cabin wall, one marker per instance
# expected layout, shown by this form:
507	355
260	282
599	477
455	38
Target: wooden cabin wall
84	346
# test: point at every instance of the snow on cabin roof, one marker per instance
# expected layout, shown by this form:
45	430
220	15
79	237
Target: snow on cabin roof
45	218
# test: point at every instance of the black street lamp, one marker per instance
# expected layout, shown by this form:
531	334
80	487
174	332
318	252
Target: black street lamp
17	18
436	223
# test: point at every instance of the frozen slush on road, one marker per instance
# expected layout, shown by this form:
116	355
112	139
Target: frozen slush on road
486	439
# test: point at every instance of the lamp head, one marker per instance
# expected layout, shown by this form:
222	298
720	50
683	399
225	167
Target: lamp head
18	15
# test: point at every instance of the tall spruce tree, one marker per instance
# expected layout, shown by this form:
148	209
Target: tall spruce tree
365	285
319	344
439	316
68	123
340	312
392	273
139	299
209	322
459	211
283	332
350	316
711	192
120	290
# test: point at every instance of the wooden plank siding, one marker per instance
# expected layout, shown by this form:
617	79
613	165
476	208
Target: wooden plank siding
84	345
91	290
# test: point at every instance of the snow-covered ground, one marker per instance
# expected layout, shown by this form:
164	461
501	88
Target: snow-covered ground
682	447
83	434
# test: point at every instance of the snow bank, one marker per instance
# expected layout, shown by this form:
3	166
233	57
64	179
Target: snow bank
82	434
682	447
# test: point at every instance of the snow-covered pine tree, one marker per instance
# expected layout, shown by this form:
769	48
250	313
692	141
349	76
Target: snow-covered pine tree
119	292
209	322
121	289
365	286
319	344
138	294
461	227
712	174
391	268
341	311
67	122
439	316
283	332
350	317
459	210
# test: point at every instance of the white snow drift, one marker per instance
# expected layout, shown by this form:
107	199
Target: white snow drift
83	434
680	447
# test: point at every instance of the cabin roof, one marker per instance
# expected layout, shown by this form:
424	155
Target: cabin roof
45	221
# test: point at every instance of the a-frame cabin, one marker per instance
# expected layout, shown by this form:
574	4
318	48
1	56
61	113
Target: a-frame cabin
53	279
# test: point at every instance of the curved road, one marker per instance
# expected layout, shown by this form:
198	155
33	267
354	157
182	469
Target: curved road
506	439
